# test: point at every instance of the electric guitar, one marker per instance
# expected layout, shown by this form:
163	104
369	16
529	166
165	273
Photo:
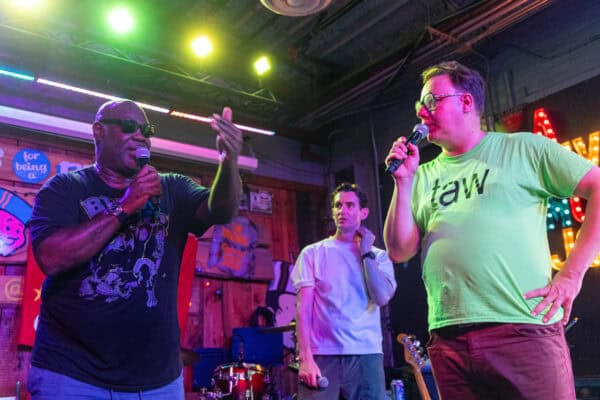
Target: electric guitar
413	355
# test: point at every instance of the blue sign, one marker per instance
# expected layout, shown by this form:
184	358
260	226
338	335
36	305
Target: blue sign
31	166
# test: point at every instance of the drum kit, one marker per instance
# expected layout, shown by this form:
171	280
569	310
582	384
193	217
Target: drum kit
241	380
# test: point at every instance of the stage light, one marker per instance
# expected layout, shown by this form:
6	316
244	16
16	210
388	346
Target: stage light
202	46
153	108
76	89
262	65
120	20
208	120
98	94
15	74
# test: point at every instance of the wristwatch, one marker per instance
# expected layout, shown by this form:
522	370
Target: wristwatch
114	208
369	254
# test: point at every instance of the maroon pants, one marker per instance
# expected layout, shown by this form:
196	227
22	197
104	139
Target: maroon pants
502	361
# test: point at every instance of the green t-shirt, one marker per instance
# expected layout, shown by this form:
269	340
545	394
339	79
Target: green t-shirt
482	217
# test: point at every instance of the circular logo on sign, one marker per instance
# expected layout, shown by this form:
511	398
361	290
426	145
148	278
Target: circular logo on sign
13	290
31	165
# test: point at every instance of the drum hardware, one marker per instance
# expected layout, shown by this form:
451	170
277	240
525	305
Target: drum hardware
276	329
241	381
204	394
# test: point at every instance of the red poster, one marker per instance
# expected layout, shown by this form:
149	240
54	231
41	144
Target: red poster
186	278
32	289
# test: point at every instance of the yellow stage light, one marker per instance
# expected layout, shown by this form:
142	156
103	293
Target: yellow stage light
202	46
262	65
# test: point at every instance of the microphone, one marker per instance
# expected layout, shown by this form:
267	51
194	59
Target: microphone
418	133
322	382
143	158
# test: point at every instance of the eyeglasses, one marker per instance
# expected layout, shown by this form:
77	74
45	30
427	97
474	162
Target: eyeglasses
130	126
430	100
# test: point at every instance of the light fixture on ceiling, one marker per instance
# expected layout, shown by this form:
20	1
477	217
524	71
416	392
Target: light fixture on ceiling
296	8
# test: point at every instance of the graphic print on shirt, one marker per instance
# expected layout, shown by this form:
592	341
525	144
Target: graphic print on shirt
130	261
450	192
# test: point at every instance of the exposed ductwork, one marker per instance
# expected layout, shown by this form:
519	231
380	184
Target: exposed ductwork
459	39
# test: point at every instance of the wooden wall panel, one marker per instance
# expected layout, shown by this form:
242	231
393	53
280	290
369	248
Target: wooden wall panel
263	222
283	229
212	314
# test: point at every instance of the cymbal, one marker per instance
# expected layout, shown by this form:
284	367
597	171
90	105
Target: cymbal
283	328
189	356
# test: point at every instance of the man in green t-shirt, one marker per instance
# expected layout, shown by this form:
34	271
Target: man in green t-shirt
478	214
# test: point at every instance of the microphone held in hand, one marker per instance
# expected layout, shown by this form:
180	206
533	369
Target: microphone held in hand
419	132
322	382
143	158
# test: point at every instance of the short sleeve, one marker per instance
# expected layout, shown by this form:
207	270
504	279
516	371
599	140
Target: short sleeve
187	197
53	208
561	170
303	273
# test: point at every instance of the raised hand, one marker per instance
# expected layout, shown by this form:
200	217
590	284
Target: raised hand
367	238
229	136
404	151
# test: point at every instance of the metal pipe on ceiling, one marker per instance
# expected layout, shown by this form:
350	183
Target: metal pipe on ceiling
363	27
499	12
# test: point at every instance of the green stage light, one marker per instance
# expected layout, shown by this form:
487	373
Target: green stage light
120	20
202	46
262	65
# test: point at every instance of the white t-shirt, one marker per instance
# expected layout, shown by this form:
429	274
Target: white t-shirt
345	320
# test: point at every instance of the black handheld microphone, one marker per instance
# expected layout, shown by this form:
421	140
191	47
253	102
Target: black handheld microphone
418	133
322	382
143	158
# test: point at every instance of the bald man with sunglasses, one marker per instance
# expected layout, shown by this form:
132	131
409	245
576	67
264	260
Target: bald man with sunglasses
108	323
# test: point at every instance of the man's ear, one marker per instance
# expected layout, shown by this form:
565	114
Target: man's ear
468	103
364	213
97	131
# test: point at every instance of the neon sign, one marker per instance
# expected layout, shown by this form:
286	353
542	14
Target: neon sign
562	212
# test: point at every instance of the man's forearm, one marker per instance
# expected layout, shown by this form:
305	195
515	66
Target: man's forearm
400	233
225	192
304	323
70	246
587	244
379	286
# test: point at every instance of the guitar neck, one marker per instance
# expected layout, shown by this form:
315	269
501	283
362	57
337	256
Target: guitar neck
421	384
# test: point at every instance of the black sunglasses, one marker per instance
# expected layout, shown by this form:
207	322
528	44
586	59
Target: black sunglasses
130	126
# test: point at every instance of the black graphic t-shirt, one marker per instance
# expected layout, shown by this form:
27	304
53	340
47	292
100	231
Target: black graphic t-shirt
112	321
